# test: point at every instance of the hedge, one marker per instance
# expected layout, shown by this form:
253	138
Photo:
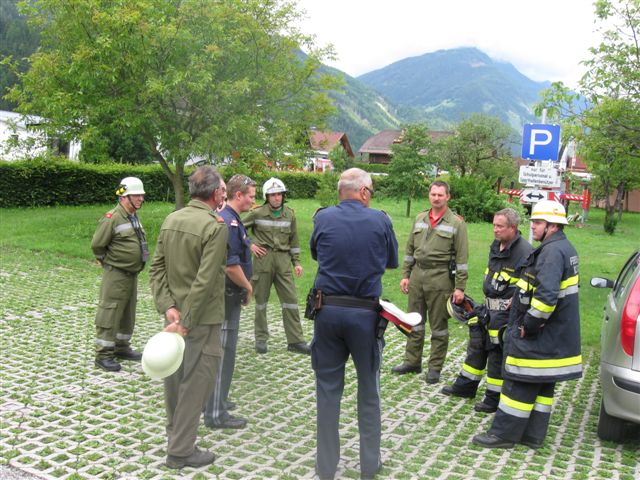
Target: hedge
46	182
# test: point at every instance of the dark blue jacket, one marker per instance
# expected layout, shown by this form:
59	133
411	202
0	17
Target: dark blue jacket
239	244
353	246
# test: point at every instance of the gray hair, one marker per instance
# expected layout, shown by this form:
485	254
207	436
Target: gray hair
353	180
513	219
203	182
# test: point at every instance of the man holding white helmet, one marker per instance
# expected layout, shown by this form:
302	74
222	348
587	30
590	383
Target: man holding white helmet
276	249
542	340
120	245
187	281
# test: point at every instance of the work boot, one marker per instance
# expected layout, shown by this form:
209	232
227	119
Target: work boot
452	391
404	368
529	442
433	376
227	421
199	458
488	440
229	405
108	364
261	347
129	354
484	407
299	348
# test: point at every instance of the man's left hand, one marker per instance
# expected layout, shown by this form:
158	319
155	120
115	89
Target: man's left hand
298	270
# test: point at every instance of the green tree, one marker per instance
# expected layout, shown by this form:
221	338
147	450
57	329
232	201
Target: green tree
193	78
412	163
480	146
603	116
340	160
17	41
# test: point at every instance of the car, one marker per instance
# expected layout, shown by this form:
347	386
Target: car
620	352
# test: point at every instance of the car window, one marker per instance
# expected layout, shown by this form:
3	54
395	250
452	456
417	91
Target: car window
627	273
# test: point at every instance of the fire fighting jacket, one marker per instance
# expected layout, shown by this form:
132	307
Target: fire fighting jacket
546	307
500	279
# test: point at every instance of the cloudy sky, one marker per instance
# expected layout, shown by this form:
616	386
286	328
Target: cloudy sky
544	39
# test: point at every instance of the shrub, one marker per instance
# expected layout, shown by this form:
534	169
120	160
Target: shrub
327	194
474	199
53	181
372	167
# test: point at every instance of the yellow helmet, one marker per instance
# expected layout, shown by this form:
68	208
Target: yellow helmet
549	211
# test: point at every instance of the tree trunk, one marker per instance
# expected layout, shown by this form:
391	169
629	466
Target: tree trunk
620	200
408	207
178	185
176	178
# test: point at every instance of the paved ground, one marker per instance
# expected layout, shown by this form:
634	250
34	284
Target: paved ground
62	418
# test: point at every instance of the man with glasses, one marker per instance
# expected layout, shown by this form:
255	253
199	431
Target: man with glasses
353	245
435	267
241	194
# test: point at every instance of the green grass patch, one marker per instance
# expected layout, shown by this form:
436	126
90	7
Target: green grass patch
65	232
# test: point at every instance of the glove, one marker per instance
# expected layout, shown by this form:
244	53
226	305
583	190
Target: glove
531	327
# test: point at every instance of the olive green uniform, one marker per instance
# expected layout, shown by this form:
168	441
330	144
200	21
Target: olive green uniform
279	235
187	273
117	247
428	254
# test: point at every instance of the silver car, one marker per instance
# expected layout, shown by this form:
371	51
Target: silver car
620	352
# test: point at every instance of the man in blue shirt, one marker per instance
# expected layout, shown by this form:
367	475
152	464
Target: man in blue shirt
241	194
353	245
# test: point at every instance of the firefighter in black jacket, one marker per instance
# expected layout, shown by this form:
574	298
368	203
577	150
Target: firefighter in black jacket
484	351
542	341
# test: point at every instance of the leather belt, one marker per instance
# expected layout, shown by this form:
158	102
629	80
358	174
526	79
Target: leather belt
500	304
427	266
351	302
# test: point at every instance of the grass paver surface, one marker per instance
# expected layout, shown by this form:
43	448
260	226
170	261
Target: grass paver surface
60	417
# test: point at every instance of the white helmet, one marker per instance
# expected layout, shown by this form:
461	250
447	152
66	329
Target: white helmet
273	185
130	186
550	211
162	355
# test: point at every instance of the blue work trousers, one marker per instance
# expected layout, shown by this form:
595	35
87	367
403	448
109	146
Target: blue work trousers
338	333
215	409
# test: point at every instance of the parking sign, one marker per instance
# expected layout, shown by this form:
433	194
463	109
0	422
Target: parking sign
541	142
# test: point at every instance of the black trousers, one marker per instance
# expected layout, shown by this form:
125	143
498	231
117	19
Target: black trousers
524	411
482	357
338	333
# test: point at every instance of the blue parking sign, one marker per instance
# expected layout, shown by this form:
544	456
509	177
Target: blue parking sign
541	142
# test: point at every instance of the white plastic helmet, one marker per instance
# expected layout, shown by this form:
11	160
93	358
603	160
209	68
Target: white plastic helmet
130	186
550	211
162	354
273	185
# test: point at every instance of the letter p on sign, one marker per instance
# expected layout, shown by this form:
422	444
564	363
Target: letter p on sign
541	142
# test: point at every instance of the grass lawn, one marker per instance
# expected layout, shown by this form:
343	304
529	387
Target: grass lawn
67	231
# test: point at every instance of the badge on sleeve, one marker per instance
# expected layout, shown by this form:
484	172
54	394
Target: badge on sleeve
108	214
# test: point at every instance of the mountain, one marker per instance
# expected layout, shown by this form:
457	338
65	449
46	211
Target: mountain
447	84
361	111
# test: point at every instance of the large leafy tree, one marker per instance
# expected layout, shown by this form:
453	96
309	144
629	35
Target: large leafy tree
17	41
413	163
480	146
209	78
603	116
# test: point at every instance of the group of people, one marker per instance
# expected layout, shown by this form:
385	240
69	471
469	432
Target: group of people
525	335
